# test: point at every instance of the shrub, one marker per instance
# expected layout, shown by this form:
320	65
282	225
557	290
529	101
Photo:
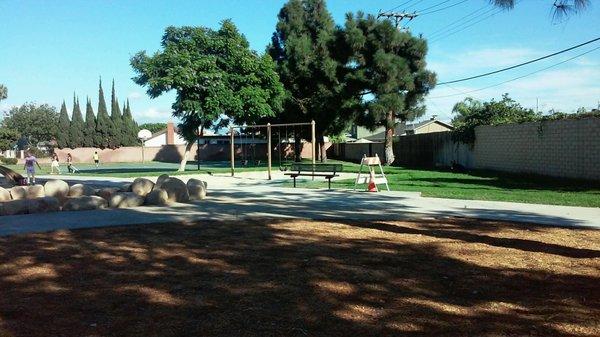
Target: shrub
8	161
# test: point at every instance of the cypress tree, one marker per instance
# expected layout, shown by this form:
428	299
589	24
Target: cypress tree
117	120
77	126
103	123
62	138
129	125
89	132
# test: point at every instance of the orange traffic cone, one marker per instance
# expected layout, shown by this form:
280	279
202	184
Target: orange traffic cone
372	187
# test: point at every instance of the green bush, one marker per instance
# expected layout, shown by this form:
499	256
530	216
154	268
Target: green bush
8	161
38	153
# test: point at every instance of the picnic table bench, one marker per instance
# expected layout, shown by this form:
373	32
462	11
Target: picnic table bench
314	170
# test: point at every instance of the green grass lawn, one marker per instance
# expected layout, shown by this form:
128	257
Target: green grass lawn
477	185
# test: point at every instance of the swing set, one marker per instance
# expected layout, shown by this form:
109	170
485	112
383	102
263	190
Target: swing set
248	136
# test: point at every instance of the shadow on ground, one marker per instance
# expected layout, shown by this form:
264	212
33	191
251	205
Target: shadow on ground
280	278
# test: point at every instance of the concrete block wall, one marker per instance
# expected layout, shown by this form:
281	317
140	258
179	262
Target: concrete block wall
567	148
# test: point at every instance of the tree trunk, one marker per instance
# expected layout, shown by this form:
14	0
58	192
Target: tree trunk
322	149
389	138
186	154
297	145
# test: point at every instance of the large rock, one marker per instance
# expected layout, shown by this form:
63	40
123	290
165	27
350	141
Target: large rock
142	186
80	190
13	207
176	189
84	203
4	194
18	192
107	192
35	191
43	205
157	197
125	200
196	189
126	187
160	180
56	188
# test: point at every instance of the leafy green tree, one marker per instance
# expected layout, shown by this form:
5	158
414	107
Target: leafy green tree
471	113
561	8
117	120
34	122
130	126
389	69
90	137
8	138
77	126
3	92
104	125
216	75
62	136
154	127
303	47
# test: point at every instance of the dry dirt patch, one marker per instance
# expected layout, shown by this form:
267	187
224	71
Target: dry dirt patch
303	278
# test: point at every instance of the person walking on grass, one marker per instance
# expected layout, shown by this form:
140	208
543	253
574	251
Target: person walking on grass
29	167
96	159
54	164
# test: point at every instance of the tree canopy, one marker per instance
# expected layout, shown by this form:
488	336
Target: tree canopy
154	127
303	47
471	113
216	75
104	125
90	138
117	134
3	92
77	126
561	8
63	137
34	122
389	69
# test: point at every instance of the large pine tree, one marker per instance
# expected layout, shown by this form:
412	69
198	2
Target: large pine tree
77	126
303	46
118	138
90	138
130	127
62	138
104	125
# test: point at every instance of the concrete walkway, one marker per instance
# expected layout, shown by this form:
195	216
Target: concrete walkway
250	197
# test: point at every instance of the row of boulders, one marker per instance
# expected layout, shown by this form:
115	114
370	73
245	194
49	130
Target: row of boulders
55	195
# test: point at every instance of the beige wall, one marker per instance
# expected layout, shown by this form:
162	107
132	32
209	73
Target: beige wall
431	127
565	148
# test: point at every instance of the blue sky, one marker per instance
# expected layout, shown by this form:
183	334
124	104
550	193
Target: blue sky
49	49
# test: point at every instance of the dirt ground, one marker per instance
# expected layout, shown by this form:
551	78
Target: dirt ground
303	278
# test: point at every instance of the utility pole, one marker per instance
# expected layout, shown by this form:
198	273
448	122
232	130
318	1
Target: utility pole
397	17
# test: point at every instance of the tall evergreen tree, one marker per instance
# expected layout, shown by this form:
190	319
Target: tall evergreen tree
104	127
303	47
77	126
90	138
62	138
117	120
130	127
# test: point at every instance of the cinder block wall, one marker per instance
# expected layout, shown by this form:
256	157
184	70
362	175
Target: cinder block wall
567	148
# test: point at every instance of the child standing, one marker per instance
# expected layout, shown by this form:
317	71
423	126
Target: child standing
69	163
29	167
96	158
54	164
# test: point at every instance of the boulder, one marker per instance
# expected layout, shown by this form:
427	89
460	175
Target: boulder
43	205
56	188
84	203
126	187
18	192
142	186
157	197
80	190
4	194
13	207
125	200
107	192
196	189
35	191
176	189
160	180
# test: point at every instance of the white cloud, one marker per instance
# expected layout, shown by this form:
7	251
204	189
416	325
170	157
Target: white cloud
152	114
134	95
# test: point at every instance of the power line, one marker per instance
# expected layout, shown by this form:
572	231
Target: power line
458	21
416	3
461	28
522	64
444	8
400	5
518	77
438	4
